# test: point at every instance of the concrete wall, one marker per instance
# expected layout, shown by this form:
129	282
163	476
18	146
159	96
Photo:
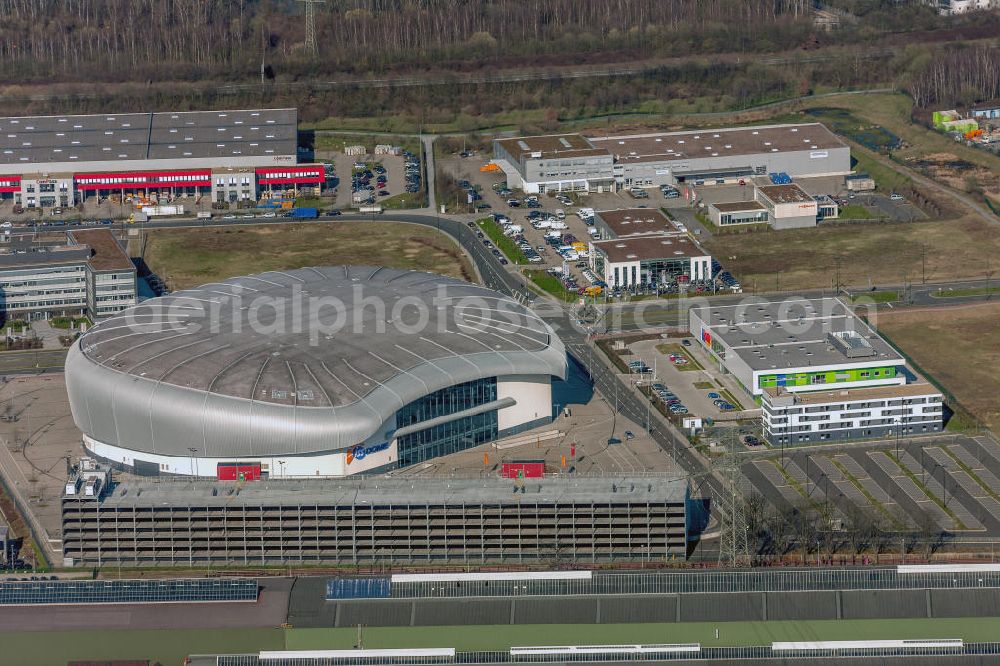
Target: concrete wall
533	394
793	222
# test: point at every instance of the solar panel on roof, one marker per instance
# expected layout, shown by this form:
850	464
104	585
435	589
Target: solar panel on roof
40	593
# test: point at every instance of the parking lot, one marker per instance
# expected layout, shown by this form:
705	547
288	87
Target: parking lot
372	179
943	483
553	234
685	381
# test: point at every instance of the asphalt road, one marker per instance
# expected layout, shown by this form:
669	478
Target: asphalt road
32	361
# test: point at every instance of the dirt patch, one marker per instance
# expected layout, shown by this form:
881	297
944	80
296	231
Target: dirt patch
957	173
959	347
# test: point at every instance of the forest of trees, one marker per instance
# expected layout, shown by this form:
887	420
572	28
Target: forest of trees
959	77
94	55
135	40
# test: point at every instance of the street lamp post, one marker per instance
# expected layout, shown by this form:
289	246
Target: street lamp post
898	427
192	450
923	468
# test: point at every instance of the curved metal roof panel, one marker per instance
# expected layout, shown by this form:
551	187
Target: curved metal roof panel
302	361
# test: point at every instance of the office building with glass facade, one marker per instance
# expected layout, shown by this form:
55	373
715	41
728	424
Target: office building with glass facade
316	372
82	272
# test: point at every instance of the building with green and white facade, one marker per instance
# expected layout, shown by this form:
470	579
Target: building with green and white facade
818	371
796	344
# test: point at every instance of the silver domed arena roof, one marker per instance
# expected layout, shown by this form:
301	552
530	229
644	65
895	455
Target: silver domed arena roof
294	362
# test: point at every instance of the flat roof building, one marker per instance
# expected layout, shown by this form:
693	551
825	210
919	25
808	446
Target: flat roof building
437	520
73	143
788	206
81	272
58	161
627	222
738	212
700	157
649	260
850	413
795	344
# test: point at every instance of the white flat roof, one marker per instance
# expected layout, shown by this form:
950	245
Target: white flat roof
946	568
853	645
507	575
604	649
356	654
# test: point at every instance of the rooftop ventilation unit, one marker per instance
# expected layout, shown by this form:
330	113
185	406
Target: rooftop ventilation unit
851	344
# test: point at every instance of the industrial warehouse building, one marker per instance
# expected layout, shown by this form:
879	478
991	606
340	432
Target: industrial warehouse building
187	523
81	272
819	371
59	161
275	375
795	345
572	162
642	246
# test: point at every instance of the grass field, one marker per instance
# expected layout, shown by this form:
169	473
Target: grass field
550	284
403	200
171	646
506	245
855	212
959	347
502	637
879	253
67	322
958	248
875	297
191	257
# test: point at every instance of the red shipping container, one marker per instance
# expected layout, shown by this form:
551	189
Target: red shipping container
238	472
527	469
